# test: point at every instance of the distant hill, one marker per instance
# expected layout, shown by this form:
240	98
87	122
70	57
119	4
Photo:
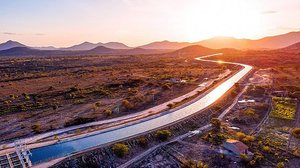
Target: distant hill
295	48
115	45
272	42
166	45
266	43
26	51
197	50
100	50
10	44
89	46
194	50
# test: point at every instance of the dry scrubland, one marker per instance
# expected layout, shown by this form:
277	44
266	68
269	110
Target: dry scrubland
44	93
285	67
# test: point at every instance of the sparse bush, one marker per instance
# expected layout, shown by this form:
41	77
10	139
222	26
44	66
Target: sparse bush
36	128
79	120
216	123
258	157
143	142
171	105
163	135
248	139
190	164
296	133
280	165
240	135
107	112
266	149
244	158
120	149
98	104
200	164
127	104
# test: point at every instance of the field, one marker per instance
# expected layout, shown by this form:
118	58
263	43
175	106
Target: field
284	108
45	93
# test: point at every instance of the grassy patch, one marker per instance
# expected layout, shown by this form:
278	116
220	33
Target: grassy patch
283	108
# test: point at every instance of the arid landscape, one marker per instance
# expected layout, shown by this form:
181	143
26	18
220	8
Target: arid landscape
150	84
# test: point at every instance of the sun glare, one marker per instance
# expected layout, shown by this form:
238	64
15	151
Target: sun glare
221	18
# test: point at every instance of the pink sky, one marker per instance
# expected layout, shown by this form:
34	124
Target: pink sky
136	22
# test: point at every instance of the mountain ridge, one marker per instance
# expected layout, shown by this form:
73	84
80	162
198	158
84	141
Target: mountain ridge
269	43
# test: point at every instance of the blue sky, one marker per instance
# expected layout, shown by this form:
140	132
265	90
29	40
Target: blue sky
135	22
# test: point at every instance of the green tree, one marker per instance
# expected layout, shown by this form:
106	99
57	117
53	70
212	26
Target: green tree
120	149
163	135
280	165
216	123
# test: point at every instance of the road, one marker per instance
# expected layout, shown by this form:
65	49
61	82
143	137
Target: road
62	149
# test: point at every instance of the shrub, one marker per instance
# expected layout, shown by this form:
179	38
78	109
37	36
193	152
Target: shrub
280	165
266	149
107	112
189	164
36	128
240	135
217	139
248	139
163	135
296	133
171	105
79	120
216	123
120	149
127	104
200	164
98	104
283	108
143	142
244	158
258	157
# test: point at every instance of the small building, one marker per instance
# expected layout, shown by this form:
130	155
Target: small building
236	147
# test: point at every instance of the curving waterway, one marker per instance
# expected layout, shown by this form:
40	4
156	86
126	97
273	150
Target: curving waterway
46	153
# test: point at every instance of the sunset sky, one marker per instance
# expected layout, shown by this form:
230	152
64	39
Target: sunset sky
135	22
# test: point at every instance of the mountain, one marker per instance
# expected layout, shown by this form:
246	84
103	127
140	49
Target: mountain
194	50
167	45
27	51
100	50
89	46
115	45
45	48
279	41
225	42
10	44
295	48
136	51
271	42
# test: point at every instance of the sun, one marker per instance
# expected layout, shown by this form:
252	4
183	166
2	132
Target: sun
235	18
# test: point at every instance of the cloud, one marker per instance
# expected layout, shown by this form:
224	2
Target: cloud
9	33
268	12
